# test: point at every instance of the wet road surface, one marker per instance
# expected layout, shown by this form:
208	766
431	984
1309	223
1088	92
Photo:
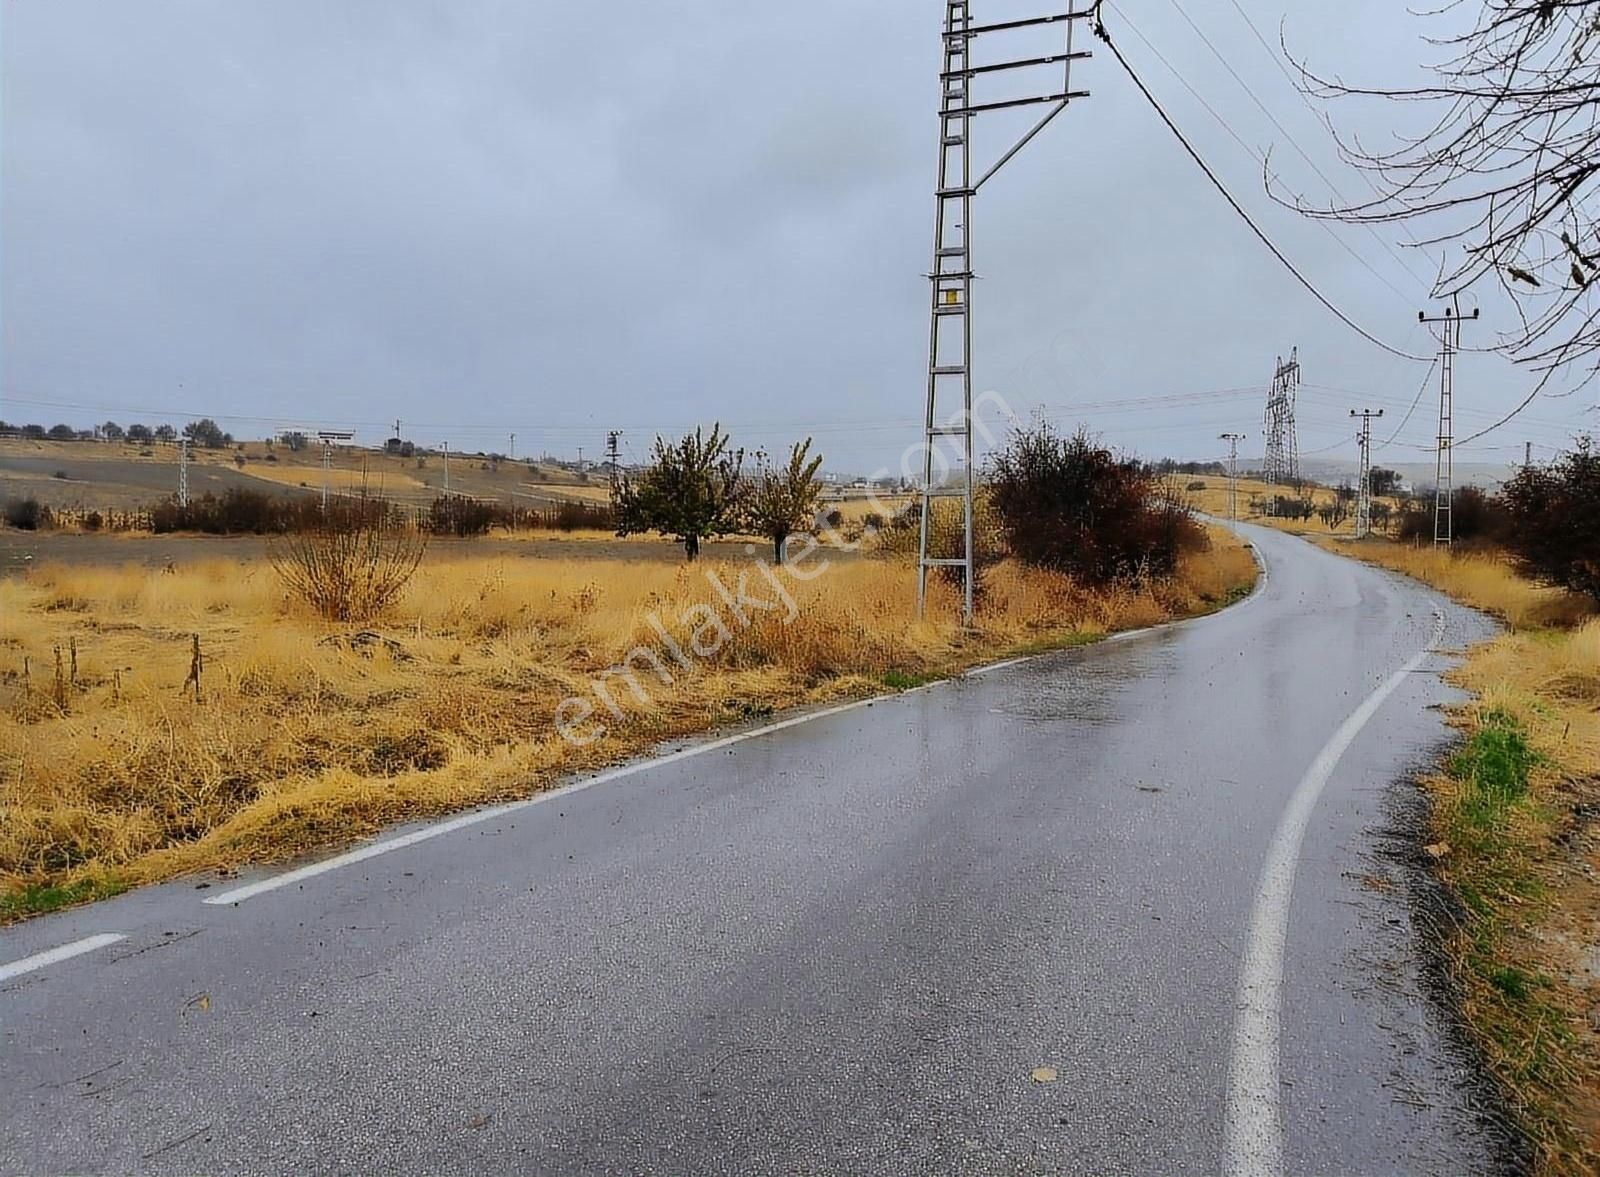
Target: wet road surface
843	946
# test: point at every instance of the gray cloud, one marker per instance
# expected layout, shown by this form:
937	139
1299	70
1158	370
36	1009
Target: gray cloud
494	216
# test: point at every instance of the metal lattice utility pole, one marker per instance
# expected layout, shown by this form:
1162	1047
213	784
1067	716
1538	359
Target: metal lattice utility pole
950	321
613	454
183	472
1282	464
1444	472
1364	487
1233	440
327	470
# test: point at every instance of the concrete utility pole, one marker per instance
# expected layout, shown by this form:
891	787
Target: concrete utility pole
950	323
447	467
183	472
1527	454
1443	477
512	452
1364	489
1233	440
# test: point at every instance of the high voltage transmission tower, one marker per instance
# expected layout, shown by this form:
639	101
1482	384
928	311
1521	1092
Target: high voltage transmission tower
1364	486
950	326
1444	461
1283	447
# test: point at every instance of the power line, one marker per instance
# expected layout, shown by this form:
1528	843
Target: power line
1415	401
1306	102
1100	31
1284	131
1526	401
1255	154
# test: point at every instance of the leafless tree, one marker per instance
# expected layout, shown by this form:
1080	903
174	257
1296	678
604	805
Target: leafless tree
1505	170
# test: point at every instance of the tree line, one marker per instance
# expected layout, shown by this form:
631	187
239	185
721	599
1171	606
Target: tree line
204	432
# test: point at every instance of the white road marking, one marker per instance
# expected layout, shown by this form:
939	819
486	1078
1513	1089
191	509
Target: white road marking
66	952
979	671
373	849
1253	1124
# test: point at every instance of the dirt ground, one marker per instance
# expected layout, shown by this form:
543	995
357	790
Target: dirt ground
60	479
124	476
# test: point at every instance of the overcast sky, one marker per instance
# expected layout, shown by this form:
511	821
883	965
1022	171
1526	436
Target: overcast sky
483	217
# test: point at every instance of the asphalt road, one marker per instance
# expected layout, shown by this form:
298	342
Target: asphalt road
842	946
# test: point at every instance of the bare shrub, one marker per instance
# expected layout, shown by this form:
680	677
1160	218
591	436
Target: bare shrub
26	514
1068	504
1555	511
463	516
352	563
1474	516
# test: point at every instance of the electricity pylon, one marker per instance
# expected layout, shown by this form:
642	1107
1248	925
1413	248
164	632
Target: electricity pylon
1444	462
1233	440
1364	488
950	322
1282	463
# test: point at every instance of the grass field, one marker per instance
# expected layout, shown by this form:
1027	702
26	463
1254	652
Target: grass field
1212	498
1516	837
306	734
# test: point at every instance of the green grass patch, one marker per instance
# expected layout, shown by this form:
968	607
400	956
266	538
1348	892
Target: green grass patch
905	680
1493	770
39	898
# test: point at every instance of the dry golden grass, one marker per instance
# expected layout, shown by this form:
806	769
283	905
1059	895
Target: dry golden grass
857	510
301	739
1484	580
586	492
342	479
1523	950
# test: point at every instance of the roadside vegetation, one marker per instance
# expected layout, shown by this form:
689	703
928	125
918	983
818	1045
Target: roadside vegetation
161	721
1516	809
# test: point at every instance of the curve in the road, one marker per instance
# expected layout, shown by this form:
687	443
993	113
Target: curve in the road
849	942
